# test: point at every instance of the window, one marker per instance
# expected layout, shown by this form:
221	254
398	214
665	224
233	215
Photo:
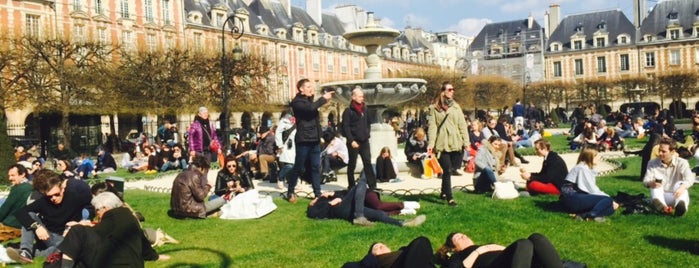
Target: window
578	67
696	55
343	63
577	45
102	35
149	10
151	42
99	10
674	34
302	58
599	42
283	55
557	71
623	40
126	39
556	47
601	65
169	42
316	60
166	12
32	25
650	59
197	41
355	63
78	33
77	6
331	62
124	5
675	57
624	62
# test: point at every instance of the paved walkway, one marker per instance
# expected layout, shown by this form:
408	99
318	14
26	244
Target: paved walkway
407	185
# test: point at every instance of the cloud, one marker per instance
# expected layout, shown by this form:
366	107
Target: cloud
416	21
386	22
469	26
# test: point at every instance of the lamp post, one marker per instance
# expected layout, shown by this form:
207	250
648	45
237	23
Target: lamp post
237	32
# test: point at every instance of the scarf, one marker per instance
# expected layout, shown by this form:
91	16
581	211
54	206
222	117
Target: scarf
359	107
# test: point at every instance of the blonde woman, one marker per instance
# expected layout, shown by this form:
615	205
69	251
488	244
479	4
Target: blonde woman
447	135
580	194
386	168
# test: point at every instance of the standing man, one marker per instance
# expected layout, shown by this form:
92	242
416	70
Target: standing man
355	127
553	171
518	113
308	135
202	135
447	135
668	178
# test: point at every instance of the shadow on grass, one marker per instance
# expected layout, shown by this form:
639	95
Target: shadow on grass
549	205
632	178
226	261
687	245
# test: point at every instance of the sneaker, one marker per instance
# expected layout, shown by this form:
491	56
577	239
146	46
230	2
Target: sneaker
408	211
599	219
417	221
680	209
660	207
362	221
20	255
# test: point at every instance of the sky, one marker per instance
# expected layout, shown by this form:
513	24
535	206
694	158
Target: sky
468	16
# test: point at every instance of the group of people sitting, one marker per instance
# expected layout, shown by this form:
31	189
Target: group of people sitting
71	224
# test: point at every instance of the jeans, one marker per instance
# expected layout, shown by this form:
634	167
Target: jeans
446	159
172	165
587	205
365	152
352	206
284	171
331	163
306	152
485	182
28	237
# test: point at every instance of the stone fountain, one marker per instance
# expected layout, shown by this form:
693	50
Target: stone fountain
379	92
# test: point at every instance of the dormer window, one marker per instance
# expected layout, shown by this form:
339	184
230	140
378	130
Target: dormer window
674	34
600	42
623	40
648	37
602	25
673	15
556	47
577	45
580	28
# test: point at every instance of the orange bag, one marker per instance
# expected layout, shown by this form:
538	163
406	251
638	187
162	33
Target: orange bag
436	168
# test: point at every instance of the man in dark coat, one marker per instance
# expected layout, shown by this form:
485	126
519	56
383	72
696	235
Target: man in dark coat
553	171
355	127
115	241
308	133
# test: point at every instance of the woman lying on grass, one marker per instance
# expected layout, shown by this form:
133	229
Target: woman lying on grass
535	251
417	254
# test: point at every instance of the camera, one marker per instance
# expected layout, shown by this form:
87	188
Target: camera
328	89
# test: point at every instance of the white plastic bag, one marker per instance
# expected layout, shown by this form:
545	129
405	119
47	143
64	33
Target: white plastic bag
248	205
505	190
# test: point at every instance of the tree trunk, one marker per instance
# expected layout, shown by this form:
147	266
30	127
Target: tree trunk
65	126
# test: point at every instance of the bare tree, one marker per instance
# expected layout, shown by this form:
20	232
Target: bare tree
629	85
65	77
678	85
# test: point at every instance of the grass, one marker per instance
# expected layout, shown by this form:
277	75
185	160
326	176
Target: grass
286	238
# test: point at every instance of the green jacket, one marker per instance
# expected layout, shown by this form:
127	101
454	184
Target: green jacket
17	199
453	136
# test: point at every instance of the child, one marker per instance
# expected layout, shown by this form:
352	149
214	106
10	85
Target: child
386	168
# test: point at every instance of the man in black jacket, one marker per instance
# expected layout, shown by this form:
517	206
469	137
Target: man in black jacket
355	127
553	171
308	135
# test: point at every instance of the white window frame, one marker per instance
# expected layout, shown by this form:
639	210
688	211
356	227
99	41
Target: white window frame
675	57
99	7
579	67
148	6
557	69
302	58
601	64
316	60
31	24
330	59
624	64
355	64
78	33
102	35
124	11
151	42
343	63
650	59
166	12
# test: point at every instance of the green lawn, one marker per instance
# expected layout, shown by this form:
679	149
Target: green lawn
286	238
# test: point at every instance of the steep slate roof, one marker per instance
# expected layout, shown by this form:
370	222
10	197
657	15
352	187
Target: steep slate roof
274	15
615	20
332	25
205	6
508	28
657	21
414	39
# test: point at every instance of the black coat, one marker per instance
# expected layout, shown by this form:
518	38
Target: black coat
307	118
355	125
554	170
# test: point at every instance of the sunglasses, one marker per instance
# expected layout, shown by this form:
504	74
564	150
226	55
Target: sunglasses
450	89
231	166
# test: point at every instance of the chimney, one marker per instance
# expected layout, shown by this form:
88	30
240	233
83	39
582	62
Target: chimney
314	9
554	18
530	22
639	12
287	7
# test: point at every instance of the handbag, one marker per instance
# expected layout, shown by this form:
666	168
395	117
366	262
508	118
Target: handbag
505	190
434	164
214	146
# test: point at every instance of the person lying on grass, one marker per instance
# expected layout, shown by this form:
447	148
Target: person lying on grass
350	207
417	254
535	251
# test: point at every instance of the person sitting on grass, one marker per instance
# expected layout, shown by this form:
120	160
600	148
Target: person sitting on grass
228	181
580	194
386	168
115	240
189	190
553	171
10	228
105	162
417	254
535	251
415	151
669	178
350	207
487	164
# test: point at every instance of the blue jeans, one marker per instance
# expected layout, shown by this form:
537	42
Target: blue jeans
171	165
284	171
587	205
485	182
306	152
28	236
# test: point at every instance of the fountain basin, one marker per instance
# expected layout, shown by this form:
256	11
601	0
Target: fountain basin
378	92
